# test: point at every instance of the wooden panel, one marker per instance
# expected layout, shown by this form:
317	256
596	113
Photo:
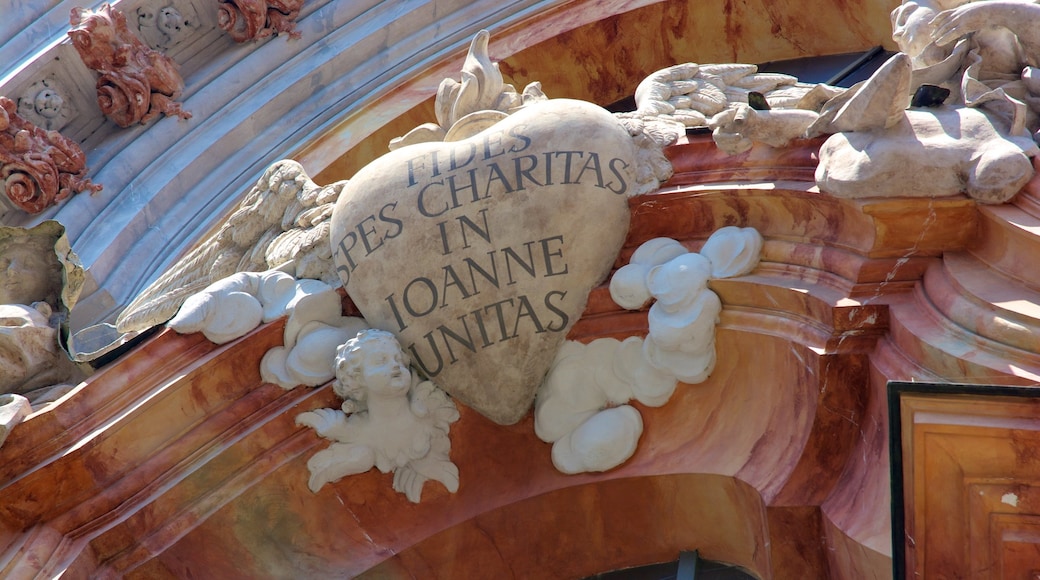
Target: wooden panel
971	491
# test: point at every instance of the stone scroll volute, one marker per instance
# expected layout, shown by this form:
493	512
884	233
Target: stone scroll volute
136	83
38	168
250	20
479	253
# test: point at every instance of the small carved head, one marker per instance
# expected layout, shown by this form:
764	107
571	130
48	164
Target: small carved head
372	363
146	16
170	21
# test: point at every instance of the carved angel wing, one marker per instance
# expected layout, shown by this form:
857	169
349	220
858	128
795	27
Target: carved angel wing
283	222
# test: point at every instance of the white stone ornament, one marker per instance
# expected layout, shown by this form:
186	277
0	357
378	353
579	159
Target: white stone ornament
479	254
581	404
979	140
603	442
390	420
231	307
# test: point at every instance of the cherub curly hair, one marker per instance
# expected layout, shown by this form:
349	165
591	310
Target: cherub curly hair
350	363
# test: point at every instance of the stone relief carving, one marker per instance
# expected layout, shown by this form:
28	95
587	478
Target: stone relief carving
442	268
512	272
41	282
283	222
480	100
582	405
163	27
136	83
231	307
390	420
976	140
38	168
250	20
44	105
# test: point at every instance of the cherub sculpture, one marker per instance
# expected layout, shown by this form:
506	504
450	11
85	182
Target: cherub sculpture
38	168
246	20
389	420
137	83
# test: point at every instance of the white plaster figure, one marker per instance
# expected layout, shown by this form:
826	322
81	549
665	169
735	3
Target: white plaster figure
230	308
581	407
976	142
389	420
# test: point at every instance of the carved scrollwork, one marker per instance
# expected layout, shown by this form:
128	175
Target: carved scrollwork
246	20
137	83
38	168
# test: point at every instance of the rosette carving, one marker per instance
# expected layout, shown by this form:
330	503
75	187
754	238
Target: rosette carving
38	168
137	83
246	20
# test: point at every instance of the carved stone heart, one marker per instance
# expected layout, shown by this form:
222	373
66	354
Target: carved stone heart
479	254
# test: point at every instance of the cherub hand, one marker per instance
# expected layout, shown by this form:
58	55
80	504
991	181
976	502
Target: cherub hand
323	421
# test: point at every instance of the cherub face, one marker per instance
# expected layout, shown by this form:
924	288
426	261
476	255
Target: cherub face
384	370
48	103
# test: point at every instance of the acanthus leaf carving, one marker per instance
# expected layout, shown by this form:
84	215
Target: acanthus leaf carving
136	83
38	168
251	20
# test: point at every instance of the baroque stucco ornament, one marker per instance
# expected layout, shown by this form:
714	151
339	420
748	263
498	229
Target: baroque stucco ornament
582	405
977	140
163	27
136	83
469	251
38	168
390	420
41	282
45	104
478	212
251	20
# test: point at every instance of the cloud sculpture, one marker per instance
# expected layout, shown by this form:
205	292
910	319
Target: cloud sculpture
582	406
232	307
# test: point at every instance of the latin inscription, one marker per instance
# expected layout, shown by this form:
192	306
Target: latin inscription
451	188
